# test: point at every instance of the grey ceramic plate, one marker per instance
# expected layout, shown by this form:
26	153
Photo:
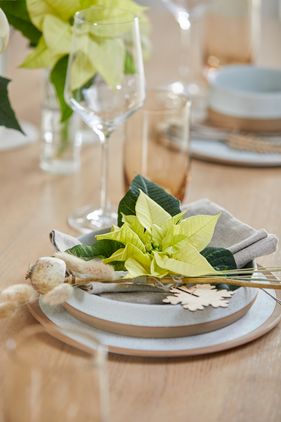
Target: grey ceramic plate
262	317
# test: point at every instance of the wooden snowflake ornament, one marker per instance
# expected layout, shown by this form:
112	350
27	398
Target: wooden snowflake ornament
199	296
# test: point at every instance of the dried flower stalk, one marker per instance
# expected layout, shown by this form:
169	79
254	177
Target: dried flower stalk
58	294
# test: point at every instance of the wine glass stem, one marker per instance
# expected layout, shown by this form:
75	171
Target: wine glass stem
104	173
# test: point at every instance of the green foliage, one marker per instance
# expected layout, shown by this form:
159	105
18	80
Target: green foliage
128	203
7	115
220	258
57	78
18	17
100	249
47	25
158	242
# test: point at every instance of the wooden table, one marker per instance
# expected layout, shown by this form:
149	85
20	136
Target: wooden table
239	385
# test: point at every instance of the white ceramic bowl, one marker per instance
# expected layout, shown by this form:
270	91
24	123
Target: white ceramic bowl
247	92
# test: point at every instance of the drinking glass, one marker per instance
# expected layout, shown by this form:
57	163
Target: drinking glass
190	16
47	380
157	142
228	33
105	85
266	32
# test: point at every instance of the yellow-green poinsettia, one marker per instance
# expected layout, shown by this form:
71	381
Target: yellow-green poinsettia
54	20
157	244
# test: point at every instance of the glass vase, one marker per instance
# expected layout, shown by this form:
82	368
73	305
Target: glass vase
60	152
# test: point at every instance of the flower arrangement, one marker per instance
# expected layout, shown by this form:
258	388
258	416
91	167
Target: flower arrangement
153	243
47	25
7	115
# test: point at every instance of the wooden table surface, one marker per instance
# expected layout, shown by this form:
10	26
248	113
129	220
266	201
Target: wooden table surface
243	384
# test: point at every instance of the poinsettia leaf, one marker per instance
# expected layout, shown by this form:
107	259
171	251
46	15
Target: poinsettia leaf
57	35
155	192
187	262
135	268
199	229
149	213
7	114
18	17
124	235
57	78
219	258
80	72
37	10
64	9
40	57
130	251
136	226
100	249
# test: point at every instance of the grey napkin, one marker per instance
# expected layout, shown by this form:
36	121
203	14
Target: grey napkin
245	242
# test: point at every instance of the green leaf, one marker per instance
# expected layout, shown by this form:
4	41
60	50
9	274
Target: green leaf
57	78
155	192
129	65
199	229
40	57
57	35
148	212
18	17
124	235
219	258
101	249
7	115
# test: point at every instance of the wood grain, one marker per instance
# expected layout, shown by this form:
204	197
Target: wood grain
239	385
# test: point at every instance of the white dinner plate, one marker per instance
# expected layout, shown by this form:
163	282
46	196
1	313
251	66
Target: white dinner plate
218	152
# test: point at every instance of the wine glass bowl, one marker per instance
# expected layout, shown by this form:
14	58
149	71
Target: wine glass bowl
105	86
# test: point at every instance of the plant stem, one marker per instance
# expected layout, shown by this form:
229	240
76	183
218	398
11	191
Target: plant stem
187	280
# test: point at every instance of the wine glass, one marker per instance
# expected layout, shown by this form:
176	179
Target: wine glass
105	84
190	15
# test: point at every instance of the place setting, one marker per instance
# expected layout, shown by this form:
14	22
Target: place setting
155	275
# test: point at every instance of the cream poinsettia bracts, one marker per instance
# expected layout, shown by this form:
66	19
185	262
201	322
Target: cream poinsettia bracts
157	244
53	18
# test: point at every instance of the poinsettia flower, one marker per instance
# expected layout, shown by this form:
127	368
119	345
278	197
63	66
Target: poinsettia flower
157	244
54	20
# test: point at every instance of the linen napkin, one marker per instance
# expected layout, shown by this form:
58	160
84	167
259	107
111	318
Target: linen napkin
245	242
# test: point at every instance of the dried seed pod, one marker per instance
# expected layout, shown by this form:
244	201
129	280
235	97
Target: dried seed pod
95	268
19	294
47	273
58	294
7	309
